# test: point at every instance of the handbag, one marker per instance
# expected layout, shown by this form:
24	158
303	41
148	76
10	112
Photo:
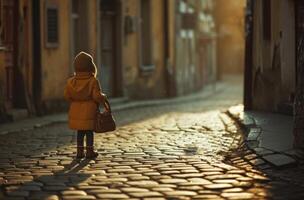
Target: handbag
104	121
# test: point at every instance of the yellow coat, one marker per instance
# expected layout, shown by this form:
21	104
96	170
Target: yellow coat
84	94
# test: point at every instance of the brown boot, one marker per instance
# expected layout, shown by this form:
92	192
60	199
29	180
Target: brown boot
80	152
90	152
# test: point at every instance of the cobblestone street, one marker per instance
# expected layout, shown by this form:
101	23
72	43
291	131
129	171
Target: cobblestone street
161	152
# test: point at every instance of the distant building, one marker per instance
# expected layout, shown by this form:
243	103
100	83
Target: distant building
144	49
229	18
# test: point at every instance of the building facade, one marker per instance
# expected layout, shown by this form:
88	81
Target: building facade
273	56
274	65
195	44
143	49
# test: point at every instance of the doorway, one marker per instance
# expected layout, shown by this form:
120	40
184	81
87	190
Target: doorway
75	46
111	47
15	94
79	27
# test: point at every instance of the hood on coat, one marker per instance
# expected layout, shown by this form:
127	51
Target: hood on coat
80	86
83	62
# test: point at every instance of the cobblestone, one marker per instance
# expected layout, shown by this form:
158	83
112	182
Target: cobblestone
175	151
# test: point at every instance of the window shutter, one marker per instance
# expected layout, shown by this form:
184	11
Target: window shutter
52	26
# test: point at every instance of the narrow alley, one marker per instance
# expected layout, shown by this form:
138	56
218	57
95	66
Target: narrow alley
165	152
207	96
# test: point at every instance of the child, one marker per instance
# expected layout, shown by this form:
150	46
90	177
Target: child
84	94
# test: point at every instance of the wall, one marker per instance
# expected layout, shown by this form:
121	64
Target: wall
288	53
26	56
22	67
273	60
144	84
186	63
194	46
173	75
92	32
2	81
231	40
56	61
206	42
131	47
170	64
265	90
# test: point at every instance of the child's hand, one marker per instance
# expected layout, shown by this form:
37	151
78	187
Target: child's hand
104	95
105	99
107	109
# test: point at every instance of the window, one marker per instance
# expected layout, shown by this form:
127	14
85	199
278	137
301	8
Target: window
189	21
51	25
146	39
267	19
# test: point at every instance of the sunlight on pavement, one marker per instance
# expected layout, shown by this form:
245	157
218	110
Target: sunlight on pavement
168	152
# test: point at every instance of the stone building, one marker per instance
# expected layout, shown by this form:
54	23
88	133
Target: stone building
195	43
143	49
273	55
36	41
274	64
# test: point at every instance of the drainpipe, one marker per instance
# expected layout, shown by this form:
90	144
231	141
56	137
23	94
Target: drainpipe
248	54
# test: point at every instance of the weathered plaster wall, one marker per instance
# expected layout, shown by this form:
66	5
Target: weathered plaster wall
274	59
288	47
131	47
265	90
23	59
144	84
92	33
55	61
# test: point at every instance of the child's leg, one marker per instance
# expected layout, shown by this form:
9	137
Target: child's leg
80	140
89	138
90	145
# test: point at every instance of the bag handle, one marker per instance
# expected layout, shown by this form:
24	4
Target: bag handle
106	104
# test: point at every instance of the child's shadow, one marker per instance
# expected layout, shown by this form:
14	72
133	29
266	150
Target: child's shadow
46	186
